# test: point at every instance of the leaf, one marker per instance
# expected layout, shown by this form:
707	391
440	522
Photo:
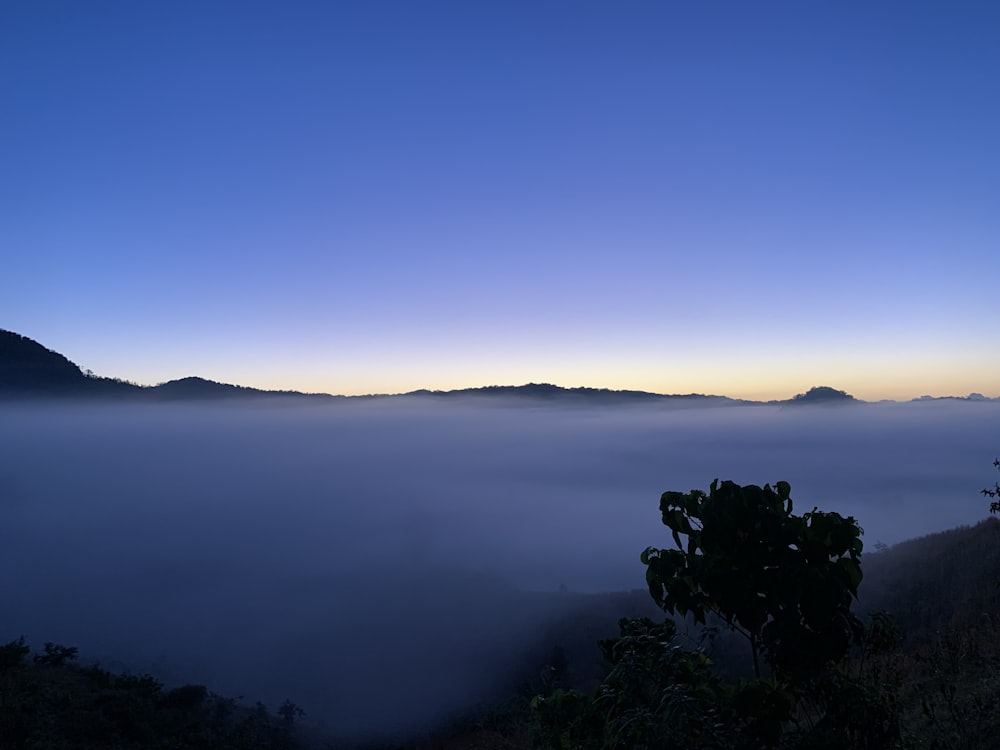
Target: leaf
853	570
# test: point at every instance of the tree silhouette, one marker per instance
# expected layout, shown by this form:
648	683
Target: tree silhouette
994	491
784	582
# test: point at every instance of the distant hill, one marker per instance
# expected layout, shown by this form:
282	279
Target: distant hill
549	392
29	370
195	388
823	394
27	367
970	397
947	579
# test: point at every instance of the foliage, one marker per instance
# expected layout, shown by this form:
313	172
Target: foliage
784	582
659	695
50	701
956	680
994	491
12	654
656	695
56	655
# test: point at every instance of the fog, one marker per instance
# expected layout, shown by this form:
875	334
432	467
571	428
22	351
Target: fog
363	558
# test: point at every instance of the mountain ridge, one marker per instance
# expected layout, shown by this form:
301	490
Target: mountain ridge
30	370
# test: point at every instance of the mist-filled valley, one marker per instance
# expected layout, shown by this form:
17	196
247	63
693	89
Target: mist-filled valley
358	554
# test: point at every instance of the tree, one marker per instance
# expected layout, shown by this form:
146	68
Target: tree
784	582
655	695
56	655
995	491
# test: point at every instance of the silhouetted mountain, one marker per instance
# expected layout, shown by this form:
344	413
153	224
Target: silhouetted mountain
823	394
27	366
549	392
970	397
29	370
195	388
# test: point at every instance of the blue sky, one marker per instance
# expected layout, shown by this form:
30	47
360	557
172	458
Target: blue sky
352	197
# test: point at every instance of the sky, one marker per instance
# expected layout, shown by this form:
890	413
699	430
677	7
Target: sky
356	197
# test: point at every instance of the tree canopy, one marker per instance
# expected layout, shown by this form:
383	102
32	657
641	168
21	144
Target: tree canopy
785	582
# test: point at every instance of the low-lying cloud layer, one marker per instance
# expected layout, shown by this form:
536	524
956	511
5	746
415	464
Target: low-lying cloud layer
354	556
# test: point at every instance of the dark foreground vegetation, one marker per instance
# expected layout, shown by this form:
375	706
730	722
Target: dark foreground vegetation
906	657
918	666
783	583
49	700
